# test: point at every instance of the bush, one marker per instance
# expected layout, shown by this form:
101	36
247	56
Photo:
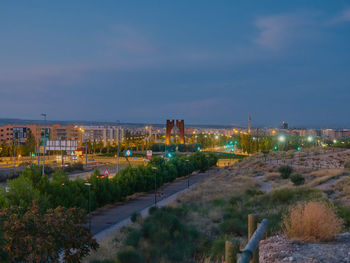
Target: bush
135	217
129	255
285	171
297	179
312	221
347	165
164	236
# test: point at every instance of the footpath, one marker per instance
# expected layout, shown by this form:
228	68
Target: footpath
105	220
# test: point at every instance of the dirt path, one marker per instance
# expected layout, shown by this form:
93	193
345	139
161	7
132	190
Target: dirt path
264	186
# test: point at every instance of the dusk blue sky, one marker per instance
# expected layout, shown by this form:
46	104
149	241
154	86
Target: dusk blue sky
208	62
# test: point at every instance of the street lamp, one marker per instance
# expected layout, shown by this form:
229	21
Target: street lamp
44	141
89	185
309	138
118	131
282	138
155	185
188	174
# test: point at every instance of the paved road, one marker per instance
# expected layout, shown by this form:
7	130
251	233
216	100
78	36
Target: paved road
106	219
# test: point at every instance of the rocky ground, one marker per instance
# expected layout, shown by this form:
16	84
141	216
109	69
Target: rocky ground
280	249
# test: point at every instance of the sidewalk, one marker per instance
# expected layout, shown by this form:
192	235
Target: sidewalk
120	214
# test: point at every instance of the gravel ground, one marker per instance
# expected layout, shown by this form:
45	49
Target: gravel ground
280	249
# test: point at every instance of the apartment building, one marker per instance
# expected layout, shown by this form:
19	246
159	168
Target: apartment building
105	133
56	132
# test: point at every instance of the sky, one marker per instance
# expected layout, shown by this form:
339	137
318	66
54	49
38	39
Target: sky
207	62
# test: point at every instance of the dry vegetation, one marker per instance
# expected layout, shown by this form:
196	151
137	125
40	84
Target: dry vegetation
312	222
342	191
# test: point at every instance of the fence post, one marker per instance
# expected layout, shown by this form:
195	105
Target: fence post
231	250
252	226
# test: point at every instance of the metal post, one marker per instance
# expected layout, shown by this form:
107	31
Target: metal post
155	185
118	150
86	155
90	207
14	156
89	185
188	174
44	115
37	154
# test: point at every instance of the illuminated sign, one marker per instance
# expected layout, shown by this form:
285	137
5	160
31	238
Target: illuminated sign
78	153
128	153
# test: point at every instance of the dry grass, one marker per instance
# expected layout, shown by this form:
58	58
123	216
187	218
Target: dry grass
343	192
220	186
313	222
321	176
109	246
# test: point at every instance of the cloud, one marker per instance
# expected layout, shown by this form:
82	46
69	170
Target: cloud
342	17
127	39
278	31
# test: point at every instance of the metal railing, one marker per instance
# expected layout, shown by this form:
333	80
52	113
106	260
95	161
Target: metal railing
251	251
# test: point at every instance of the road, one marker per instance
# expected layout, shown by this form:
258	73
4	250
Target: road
105	219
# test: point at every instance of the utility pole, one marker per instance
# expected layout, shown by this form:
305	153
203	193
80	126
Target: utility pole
118	134
89	185
155	185
14	152
44	141
86	154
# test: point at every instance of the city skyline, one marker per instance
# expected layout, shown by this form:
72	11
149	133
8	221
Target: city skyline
141	63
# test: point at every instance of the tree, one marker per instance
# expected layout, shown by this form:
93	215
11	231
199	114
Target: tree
37	236
21	192
100	145
5	149
29	146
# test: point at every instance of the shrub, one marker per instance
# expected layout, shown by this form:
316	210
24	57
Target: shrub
164	236
297	179
135	217
285	171
347	165
129	255
312	221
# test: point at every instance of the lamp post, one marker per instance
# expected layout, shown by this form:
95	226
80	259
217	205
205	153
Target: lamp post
118	135
155	185
44	141
15	136
188	175
89	185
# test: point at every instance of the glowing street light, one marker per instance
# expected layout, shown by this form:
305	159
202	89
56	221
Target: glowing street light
334	141
309	139
282	138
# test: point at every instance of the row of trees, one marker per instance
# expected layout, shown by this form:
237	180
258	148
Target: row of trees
60	191
42	218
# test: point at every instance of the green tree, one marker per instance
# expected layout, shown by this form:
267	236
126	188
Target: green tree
38	236
21	192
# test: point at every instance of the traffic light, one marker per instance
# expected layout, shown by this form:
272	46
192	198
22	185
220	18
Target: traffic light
33	154
275	148
299	148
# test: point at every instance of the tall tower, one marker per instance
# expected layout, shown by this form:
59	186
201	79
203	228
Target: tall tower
169	127
181	126
249	124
